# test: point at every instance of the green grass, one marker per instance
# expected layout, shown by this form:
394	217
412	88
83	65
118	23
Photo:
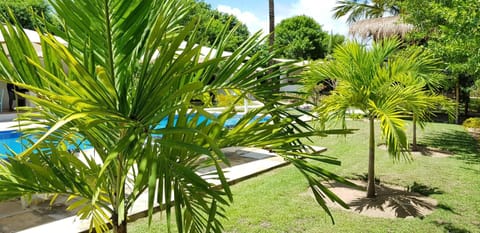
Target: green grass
278	201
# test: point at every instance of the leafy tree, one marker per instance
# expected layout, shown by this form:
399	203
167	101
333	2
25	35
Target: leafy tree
450	30
211	23
27	12
123	72
300	37
382	85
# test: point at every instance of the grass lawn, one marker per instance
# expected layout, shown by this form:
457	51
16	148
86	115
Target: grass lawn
278	201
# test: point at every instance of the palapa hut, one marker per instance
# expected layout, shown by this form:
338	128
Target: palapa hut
379	28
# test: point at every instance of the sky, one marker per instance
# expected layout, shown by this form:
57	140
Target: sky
254	13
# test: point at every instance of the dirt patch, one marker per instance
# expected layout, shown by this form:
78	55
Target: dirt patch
474	132
390	201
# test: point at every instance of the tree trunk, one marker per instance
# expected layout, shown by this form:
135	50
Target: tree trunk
467	102
271	19
120	224
371	160
271	41
457	100
119	227
414	140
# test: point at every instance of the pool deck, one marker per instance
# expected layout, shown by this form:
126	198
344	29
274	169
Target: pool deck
7	121
15	216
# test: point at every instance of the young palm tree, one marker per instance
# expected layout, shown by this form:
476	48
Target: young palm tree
126	69
428	73
384	86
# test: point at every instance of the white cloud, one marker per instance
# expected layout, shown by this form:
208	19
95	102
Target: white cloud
253	22
321	11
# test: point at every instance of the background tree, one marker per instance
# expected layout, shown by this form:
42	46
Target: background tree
211	23
447	28
332	41
126	73
301	37
450	30
383	86
27	12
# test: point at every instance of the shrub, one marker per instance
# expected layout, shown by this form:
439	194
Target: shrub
26	12
472	122
356	116
223	100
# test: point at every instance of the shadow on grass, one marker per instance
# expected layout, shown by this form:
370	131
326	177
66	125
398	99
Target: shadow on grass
476	171
460	143
402	203
423	189
447	208
390	201
449	227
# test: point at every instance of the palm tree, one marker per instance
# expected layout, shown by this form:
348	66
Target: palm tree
358	10
428	73
379	83
367	21
126	69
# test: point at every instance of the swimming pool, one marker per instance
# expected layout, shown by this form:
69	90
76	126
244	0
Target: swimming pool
11	138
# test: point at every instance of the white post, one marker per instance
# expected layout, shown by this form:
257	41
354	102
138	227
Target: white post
245	104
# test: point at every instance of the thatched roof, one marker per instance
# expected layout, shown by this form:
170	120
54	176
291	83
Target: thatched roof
379	28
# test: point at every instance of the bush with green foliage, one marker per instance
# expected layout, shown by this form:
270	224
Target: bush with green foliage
26	11
472	122
301	37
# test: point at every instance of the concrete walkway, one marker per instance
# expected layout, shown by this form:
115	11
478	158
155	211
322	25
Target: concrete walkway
246	163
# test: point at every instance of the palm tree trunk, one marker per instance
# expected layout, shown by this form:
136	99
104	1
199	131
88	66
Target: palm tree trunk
271	19
271	39
119	196
371	160
414	140
118	227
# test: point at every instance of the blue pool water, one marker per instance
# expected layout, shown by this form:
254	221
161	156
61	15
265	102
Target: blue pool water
11	138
